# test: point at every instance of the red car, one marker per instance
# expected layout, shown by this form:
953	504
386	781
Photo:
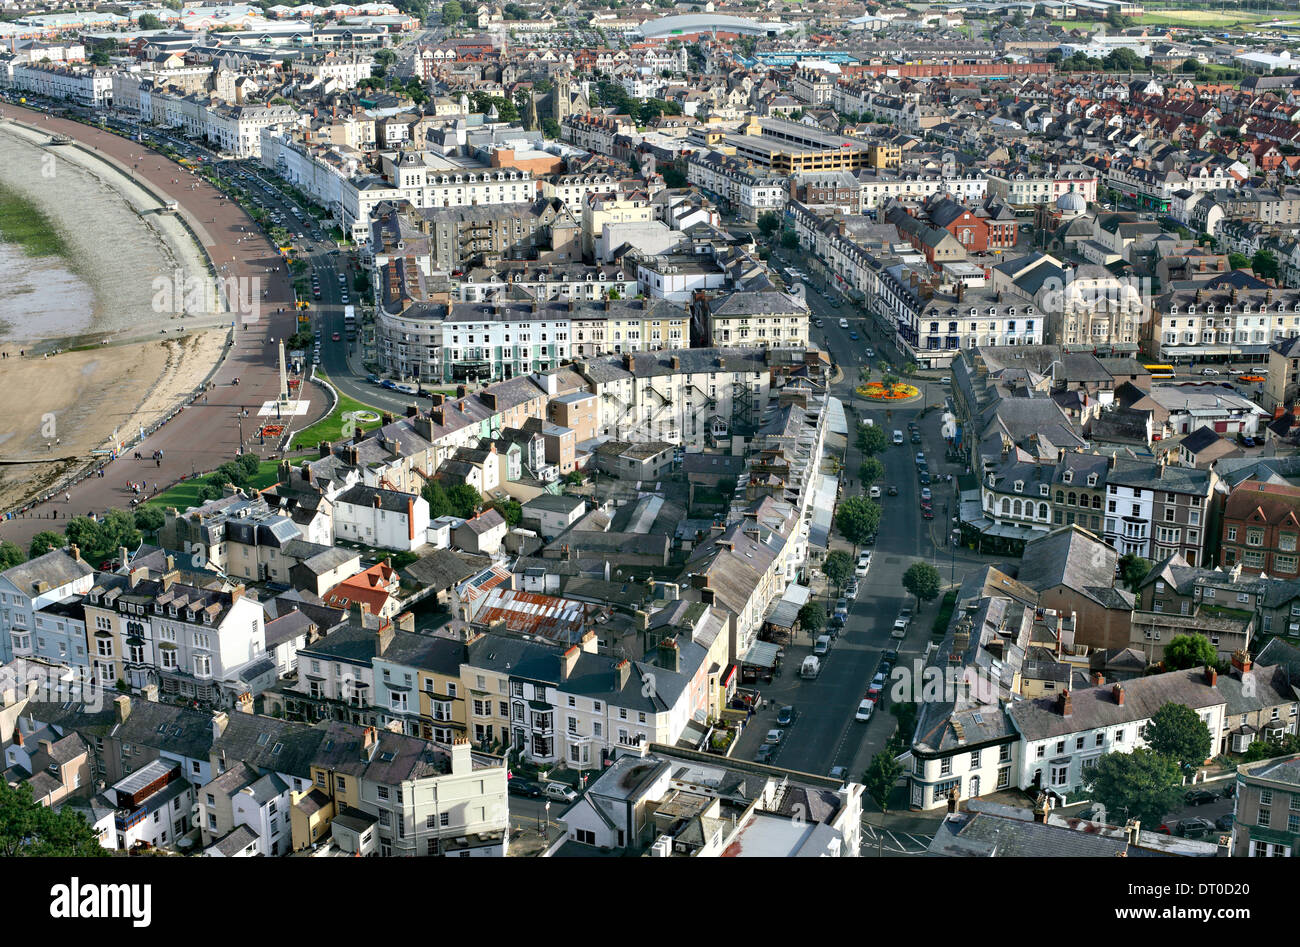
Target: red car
927	513
335	336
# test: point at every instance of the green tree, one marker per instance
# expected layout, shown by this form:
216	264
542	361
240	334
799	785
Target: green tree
510	509
11	555
1191	65
1265	265
1238	261
31	830
1189	651
452	12
790	240
812	618
1268	749
922	580
464	500
768	223
1176	731
872	439
858	518
1141	785
551	129
838	568
1133	569
880	777
870	471
99	57
436	497
149	519
1018	19
250	463
149	21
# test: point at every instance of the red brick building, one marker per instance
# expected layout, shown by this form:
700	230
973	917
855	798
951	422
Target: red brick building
1261	529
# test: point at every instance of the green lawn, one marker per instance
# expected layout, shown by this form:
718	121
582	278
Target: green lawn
186	493
330	428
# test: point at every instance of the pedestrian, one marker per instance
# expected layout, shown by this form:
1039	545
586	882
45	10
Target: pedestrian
67	498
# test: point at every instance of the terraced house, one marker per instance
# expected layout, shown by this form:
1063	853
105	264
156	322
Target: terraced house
1261	525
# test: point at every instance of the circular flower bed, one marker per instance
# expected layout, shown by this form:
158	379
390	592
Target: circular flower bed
877	391
1252	378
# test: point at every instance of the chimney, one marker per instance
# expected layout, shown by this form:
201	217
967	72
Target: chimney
388	417
384	636
150	693
1064	705
412	410
437	399
76	551
628	361
1133	829
569	661
460	391
1241	661
621	672
220	720
670	658
324	448
439	418
642	620
369	743
244	703
1098	679
354	456
1117	691
123	705
461	761
1211	676
378	501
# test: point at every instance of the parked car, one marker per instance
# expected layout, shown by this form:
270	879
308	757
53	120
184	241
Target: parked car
865	707
560	791
864	563
945	380
839	772
925	478
926	496
764	753
877	685
1194	828
853	336
874	492
1209	371
844	323
522	787
774	737
1198	796
920	459
916	437
927	513
898	437
785	716
892	491
1247	441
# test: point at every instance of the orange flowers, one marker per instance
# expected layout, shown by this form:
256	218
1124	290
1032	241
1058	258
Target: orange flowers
878	391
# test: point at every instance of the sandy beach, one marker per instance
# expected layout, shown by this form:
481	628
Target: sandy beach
64	406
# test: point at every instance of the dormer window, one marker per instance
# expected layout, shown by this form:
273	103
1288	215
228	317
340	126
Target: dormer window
1191	310
1092	479
1042	489
1173	310
992	311
1068	476
973	312
207	618
1209	308
1227	310
1020	486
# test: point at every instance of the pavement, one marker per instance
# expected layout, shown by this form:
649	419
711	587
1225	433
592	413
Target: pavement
206	433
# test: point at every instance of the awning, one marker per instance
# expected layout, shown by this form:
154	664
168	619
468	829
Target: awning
762	654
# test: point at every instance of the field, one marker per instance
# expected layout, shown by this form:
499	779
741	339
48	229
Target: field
21	223
1192	19
330	428
186	493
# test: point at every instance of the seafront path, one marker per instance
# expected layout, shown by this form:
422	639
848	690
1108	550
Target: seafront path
207	432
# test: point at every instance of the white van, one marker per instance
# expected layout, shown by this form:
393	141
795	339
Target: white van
844	323
822	646
898	437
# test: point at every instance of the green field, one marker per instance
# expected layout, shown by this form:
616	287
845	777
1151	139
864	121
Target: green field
22	224
330	428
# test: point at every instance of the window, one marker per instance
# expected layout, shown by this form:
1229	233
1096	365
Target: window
444	819
381	792
945	766
1004	777
1004	753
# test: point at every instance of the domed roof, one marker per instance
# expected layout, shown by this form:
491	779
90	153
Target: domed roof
1071	202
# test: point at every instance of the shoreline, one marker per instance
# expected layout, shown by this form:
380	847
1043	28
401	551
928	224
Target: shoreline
113	378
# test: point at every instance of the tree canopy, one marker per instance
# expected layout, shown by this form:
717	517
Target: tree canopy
922	580
858	518
31	830
452	12
1189	651
1142	785
872	439
1133	569
11	555
812	618
1178	732
838	567
870	471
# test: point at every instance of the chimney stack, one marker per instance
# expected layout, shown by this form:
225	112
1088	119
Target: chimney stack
1041	808
123	705
621	672
1063	702
569	661
1241	661
1211	676
1117	691
670	658
369	742
1098	679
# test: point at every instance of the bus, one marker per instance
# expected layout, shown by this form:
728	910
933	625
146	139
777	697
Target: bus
1160	371
350	322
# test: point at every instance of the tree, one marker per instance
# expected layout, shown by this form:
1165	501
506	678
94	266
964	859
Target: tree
31	830
1141	785
1265	265
99	57
464	500
1133	569
871	471
1018	19
872	440
922	580
150	21
768	223
1176	731
11	555
149	519
551	129
790	240
1191	65
436	497
880	777
1268	749
838	568
812	618
452	12
250	463
510	509
1189	651
1238	261
858	518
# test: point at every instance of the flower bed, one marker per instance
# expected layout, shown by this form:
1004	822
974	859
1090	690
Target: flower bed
878	391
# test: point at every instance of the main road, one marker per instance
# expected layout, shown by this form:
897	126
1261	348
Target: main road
206	432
